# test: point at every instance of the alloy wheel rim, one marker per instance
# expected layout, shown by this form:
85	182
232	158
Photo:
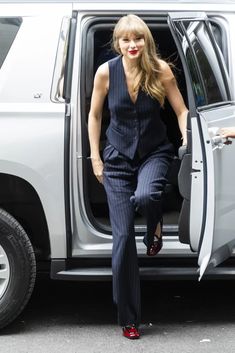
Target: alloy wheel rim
4	271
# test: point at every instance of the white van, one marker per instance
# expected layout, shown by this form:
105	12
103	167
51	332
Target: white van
54	214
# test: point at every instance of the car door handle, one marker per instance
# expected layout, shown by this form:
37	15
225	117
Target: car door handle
219	142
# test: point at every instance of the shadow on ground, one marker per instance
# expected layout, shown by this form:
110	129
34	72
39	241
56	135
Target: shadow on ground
84	303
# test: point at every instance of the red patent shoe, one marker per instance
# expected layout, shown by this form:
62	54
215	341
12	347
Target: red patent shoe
155	247
131	332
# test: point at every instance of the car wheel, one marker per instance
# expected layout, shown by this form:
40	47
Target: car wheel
17	268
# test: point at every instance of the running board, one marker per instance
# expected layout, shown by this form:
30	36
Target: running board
146	273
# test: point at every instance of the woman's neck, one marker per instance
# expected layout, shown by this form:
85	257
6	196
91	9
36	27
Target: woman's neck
130	66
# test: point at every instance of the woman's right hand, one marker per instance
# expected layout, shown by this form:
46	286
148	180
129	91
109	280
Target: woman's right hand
98	166
227	132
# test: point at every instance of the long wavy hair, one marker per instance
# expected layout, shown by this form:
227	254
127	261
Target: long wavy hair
148	66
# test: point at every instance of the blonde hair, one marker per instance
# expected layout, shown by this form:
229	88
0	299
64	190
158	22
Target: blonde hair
149	65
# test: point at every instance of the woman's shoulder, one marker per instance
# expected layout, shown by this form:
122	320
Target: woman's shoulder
165	70
104	68
164	66
103	71
101	80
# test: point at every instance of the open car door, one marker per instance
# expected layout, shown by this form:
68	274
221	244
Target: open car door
210	198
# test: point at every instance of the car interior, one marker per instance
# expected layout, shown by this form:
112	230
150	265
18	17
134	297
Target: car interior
97	49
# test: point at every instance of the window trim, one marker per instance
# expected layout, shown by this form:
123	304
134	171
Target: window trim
220	59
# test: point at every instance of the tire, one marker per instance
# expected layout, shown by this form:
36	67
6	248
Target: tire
17	268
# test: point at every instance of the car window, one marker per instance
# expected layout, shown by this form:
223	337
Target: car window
207	75
211	86
199	92
9	27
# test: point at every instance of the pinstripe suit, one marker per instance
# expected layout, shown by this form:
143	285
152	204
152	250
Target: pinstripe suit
136	161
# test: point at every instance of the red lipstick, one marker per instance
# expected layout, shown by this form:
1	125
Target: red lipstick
133	52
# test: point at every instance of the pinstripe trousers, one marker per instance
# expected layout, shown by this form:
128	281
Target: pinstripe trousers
132	185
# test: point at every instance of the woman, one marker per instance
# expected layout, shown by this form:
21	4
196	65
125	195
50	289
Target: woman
137	155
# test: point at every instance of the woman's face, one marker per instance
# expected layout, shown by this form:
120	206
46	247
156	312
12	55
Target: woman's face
131	45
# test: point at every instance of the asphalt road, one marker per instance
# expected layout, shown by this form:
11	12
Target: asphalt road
73	317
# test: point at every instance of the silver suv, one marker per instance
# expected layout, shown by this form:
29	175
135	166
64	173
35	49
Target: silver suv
54	214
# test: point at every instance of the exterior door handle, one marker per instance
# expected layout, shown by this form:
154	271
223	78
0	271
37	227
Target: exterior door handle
217	141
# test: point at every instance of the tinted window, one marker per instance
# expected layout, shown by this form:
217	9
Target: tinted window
211	86
202	56
199	92
8	30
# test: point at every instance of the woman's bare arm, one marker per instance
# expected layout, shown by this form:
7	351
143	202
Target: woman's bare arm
175	98
99	93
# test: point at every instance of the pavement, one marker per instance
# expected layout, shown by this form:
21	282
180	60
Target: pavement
79	317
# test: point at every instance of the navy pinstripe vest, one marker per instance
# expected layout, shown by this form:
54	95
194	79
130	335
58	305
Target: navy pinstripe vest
134	127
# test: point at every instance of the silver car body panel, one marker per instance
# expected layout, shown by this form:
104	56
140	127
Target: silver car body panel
32	127
218	241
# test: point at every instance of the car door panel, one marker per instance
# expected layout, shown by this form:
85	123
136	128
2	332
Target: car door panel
219	235
212	211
